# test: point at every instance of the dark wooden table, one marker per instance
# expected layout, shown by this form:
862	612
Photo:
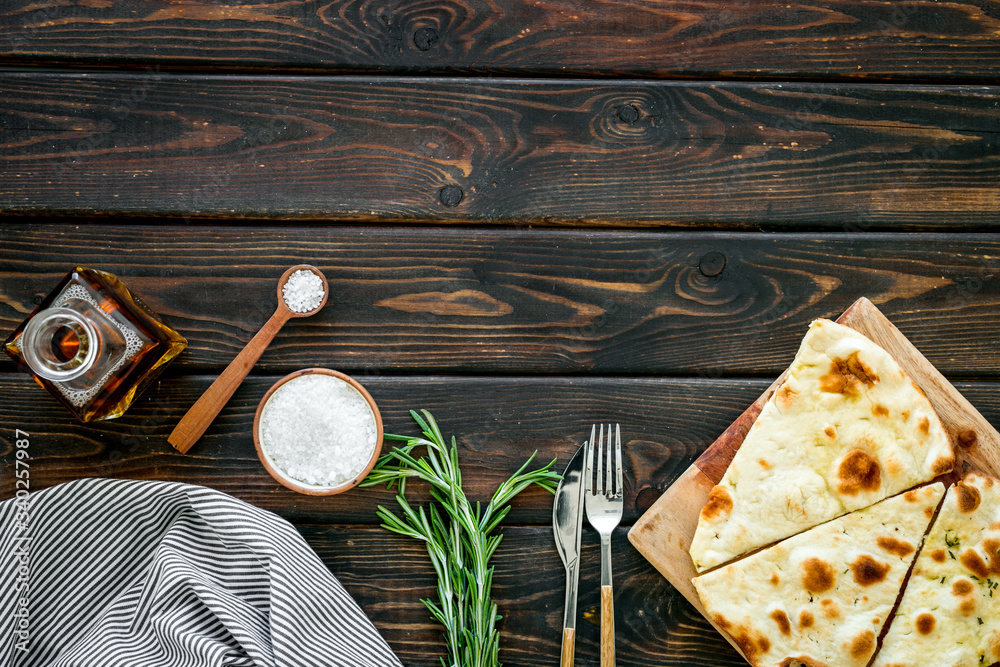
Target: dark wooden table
533	216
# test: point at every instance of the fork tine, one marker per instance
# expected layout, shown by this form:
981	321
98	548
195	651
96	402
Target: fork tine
588	462
609	470
599	482
619	485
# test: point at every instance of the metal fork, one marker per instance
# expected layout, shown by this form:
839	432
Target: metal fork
603	500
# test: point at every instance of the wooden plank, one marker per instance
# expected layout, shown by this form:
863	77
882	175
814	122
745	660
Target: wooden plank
528	301
664	533
654	625
499	423
500	151
847	39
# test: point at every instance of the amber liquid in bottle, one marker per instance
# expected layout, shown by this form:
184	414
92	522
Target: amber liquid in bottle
95	346
65	343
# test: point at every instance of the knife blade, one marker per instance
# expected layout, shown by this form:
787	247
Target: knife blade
567	517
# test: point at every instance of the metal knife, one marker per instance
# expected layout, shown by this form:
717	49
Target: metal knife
567	515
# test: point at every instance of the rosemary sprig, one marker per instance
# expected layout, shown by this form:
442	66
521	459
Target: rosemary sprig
457	534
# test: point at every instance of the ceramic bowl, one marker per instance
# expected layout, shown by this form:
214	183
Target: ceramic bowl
303	487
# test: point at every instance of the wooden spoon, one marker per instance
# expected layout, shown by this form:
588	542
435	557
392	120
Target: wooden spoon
197	420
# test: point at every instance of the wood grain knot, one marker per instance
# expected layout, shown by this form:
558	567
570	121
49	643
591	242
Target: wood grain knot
966	438
424	38
628	113
630	120
712	264
451	195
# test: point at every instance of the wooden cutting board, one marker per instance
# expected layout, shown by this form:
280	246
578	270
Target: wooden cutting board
663	534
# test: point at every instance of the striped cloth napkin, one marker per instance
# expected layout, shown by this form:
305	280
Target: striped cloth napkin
122	573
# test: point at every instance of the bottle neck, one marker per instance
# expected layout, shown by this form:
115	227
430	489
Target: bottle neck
59	344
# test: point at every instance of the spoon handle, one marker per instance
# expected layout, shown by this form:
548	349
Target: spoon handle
201	415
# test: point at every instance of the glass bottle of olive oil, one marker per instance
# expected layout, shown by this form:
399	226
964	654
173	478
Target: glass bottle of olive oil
93	344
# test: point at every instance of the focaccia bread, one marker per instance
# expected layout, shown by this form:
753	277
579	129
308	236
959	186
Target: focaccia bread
846	428
951	608
820	598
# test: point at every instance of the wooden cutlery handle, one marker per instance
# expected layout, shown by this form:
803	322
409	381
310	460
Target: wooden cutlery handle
201	415
607	627
569	639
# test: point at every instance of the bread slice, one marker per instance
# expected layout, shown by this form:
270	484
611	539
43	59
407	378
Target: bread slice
950	613
846	428
820	598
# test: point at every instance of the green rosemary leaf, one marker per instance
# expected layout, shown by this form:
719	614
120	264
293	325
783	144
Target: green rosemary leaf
420	422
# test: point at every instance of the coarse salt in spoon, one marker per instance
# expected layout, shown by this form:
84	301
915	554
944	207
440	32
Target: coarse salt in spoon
299	295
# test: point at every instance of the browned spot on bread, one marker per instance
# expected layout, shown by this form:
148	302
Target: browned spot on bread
911	496
929	512
785	396
803	660
863	645
721	621
938	555
924	425
925	624
858	472
974	563
858	369
830	608
966	438
943	464
880	410
847	375
967	607
894	467
806	619
817	575
962	587
991	546
764	464
906	415
719	503
993	643
830	432
968	498
774	579
834	381
868	571
895	547
781	618
751	642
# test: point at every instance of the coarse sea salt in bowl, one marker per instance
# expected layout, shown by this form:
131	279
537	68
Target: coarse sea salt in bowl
317	431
